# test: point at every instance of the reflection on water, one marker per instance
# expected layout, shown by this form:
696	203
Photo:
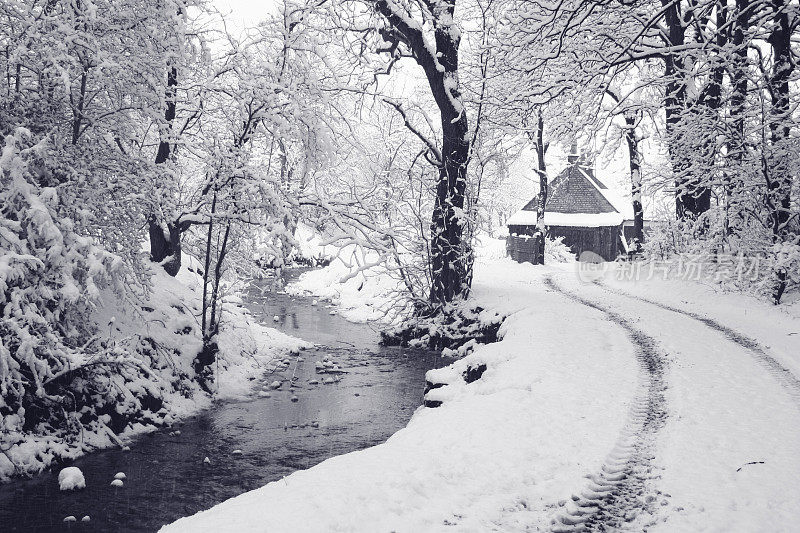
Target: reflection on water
166	474
265	298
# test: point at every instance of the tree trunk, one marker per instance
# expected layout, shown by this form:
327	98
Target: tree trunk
692	198
737	146
210	351
779	180
208	354
450	253
163	248
544	188
449	268
635	163
166	244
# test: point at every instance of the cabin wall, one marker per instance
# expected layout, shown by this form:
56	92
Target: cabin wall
522	230
604	241
523	248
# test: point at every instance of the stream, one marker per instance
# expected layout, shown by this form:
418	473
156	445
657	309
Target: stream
166	477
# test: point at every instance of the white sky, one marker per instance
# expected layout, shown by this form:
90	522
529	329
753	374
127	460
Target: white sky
243	14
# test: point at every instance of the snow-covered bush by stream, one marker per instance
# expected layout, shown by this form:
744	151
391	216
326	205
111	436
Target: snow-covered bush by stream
310	247
158	337
376	294
86	359
50	283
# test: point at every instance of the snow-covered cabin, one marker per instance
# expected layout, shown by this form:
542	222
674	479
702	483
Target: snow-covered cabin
581	209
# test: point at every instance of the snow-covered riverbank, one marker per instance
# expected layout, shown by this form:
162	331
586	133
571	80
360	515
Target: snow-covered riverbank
160	337
563	397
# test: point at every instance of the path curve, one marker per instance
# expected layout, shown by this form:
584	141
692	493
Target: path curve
616	494
781	374
728	456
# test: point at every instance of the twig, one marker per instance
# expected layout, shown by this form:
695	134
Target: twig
750	463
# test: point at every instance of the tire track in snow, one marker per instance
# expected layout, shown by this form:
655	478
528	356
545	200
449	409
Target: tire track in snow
782	374
616	494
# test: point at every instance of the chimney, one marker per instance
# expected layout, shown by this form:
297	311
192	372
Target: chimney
574	155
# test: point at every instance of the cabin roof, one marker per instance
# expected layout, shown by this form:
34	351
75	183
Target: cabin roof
577	190
577	198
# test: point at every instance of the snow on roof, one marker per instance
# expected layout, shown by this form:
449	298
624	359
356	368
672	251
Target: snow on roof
523	217
584	220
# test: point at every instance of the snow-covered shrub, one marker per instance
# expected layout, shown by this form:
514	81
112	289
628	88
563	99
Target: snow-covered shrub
102	194
52	350
85	361
555	251
787	263
488	247
50	278
745	260
310	249
370	295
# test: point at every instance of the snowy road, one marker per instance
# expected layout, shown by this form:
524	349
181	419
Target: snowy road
782	374
615	495
729	454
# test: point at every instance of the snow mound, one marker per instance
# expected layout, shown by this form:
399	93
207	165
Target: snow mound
71	478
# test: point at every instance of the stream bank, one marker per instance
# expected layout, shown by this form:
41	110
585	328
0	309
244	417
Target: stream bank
248	443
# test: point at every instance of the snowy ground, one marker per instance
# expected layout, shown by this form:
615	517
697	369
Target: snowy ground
364	297
596	407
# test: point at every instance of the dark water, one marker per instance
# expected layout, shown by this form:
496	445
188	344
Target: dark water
166	475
